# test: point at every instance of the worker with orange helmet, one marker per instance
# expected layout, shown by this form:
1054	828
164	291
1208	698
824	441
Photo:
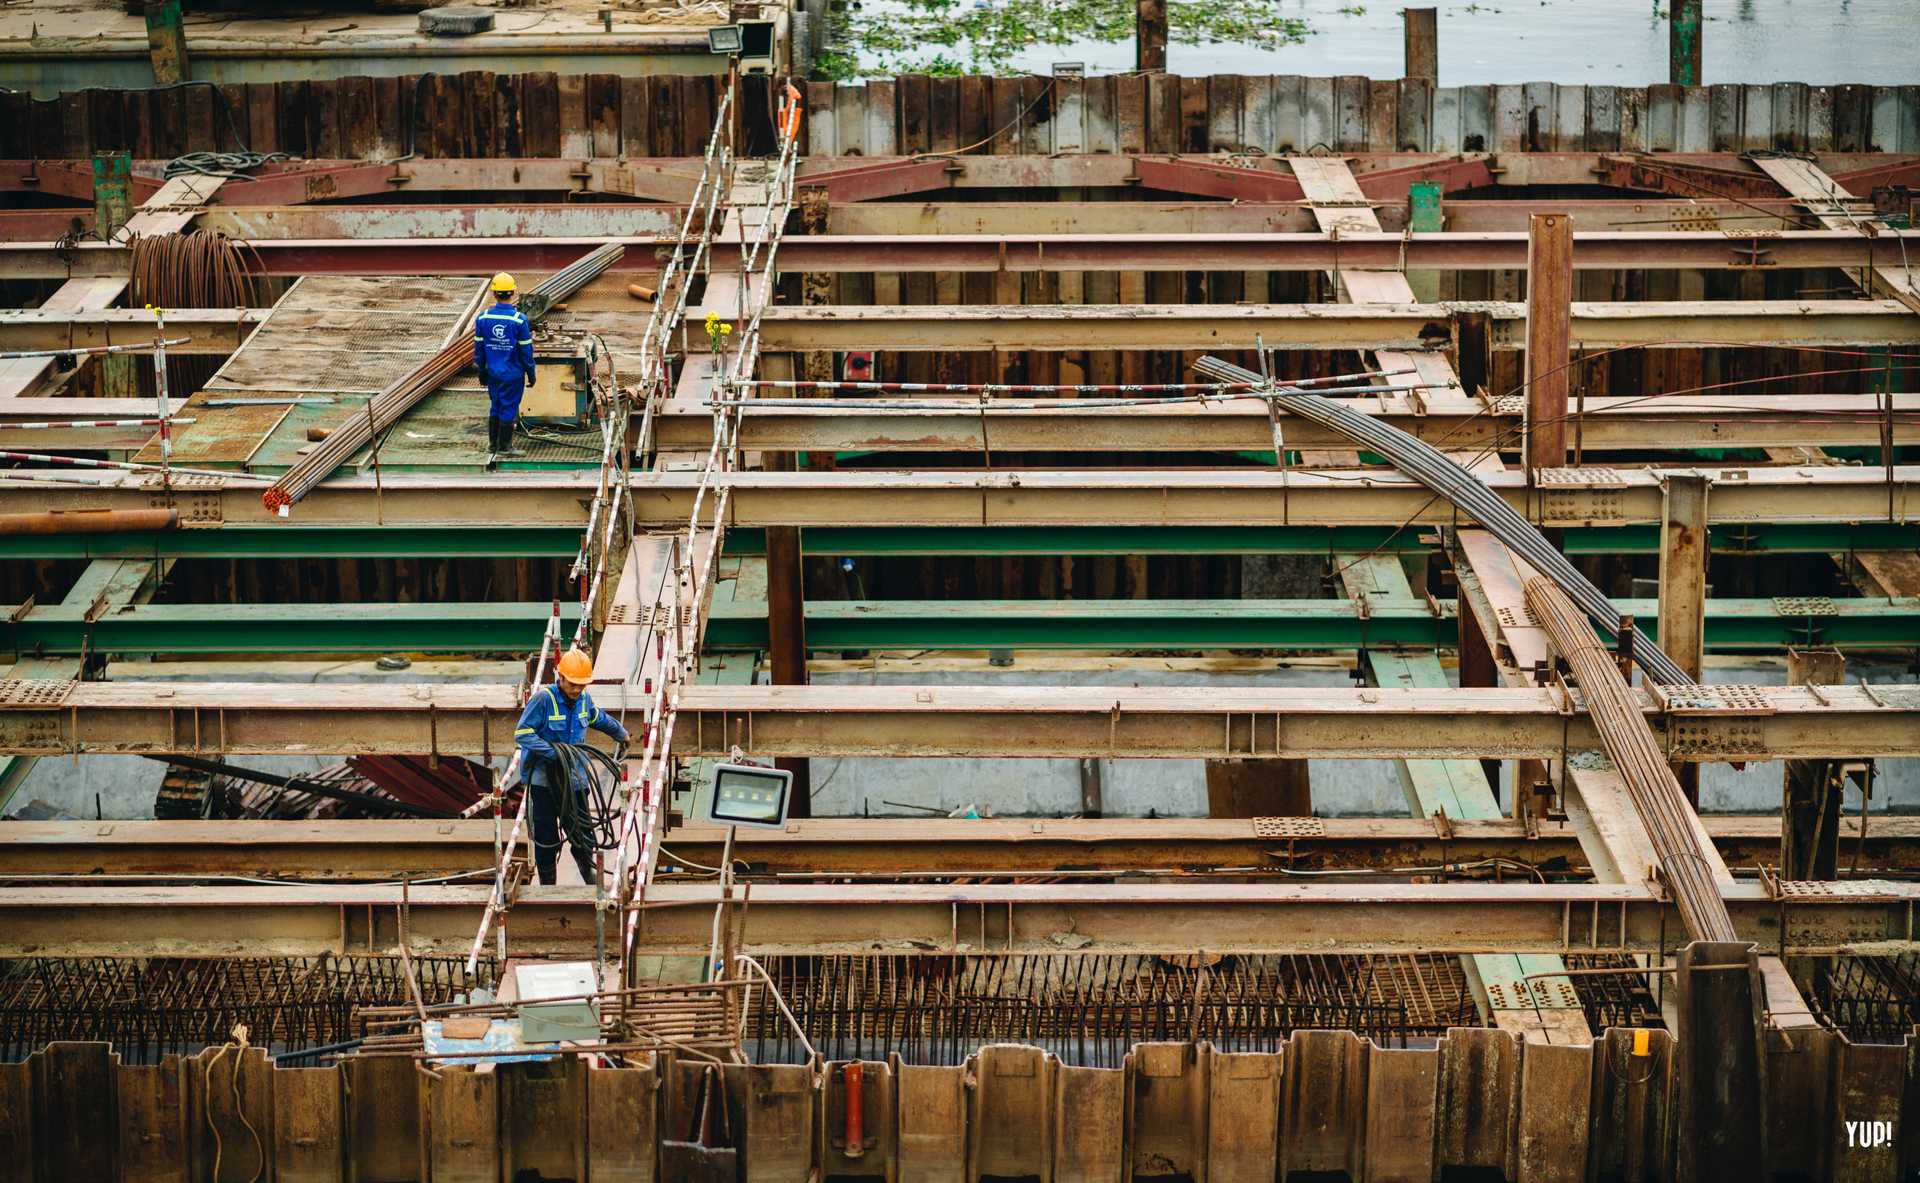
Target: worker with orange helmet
503	353
560	713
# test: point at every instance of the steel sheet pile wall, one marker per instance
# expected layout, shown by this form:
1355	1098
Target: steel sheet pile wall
1328	1101
479	114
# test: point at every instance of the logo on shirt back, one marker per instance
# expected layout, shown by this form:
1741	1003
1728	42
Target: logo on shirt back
499	332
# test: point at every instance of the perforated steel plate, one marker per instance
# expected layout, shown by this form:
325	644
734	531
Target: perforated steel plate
1288	827
34	692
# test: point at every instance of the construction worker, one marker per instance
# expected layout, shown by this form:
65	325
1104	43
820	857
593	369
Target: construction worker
559	713
503	353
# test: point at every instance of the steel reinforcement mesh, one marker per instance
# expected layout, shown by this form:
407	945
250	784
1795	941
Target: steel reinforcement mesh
154	1007
1089	1009
1869	999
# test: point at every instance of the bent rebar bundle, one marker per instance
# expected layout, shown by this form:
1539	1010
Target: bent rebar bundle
1470	494
385	408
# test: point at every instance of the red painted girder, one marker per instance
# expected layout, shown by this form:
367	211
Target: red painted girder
892	178
1661	174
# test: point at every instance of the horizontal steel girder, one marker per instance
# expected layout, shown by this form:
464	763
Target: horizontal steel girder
208	330
286	628
302	542
905	423
1075	497
1759	625
1649	324
1732	625
510	541
380	849
1750	723
464	254
801	919
1202	497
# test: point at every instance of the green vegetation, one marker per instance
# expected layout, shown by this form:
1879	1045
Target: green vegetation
956	37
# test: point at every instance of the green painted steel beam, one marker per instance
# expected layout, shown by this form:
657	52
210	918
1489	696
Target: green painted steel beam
1733	625
302	542
288	628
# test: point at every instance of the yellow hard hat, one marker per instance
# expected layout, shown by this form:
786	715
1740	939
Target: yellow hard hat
503	282
576	666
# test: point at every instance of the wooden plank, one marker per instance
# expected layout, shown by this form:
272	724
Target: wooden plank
576	135
636	119
603	114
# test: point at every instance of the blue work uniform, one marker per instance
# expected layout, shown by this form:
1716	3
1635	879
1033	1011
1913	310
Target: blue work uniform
503	353
551	718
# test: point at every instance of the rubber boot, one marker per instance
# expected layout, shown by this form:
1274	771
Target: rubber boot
507	447
493	436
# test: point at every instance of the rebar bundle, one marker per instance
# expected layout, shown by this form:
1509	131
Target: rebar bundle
401	395
1425	464
1651	786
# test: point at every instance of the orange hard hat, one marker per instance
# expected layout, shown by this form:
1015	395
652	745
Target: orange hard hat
576	666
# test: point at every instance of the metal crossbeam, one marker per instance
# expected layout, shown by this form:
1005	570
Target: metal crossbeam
1178	918
350	850
1719	724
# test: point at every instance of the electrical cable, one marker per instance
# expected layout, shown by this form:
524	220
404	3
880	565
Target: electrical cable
589	811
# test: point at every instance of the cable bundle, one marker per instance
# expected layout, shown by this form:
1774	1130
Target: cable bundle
589	812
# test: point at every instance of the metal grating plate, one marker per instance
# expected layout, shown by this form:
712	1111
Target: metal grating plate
1288	827
1837	889
1805	606
34	692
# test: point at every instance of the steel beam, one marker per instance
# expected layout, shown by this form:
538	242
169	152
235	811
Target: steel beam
1255	497
60	718
1251	918
284	628
350	850
1645	324
905	423
207	330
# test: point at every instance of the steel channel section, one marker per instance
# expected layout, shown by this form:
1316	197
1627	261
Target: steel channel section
1253	918
351	850
301	542
894	721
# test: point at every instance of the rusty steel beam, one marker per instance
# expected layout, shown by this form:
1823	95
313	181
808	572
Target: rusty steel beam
207	330
1631	213
1070	425
1263	497
468	254
1165	497
1250	918
61	718
1647	324
360	850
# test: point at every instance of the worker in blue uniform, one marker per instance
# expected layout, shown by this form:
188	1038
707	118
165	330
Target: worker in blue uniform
559	713
503	353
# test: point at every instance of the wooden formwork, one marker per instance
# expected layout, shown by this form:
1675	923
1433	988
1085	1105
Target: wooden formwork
1326	1101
